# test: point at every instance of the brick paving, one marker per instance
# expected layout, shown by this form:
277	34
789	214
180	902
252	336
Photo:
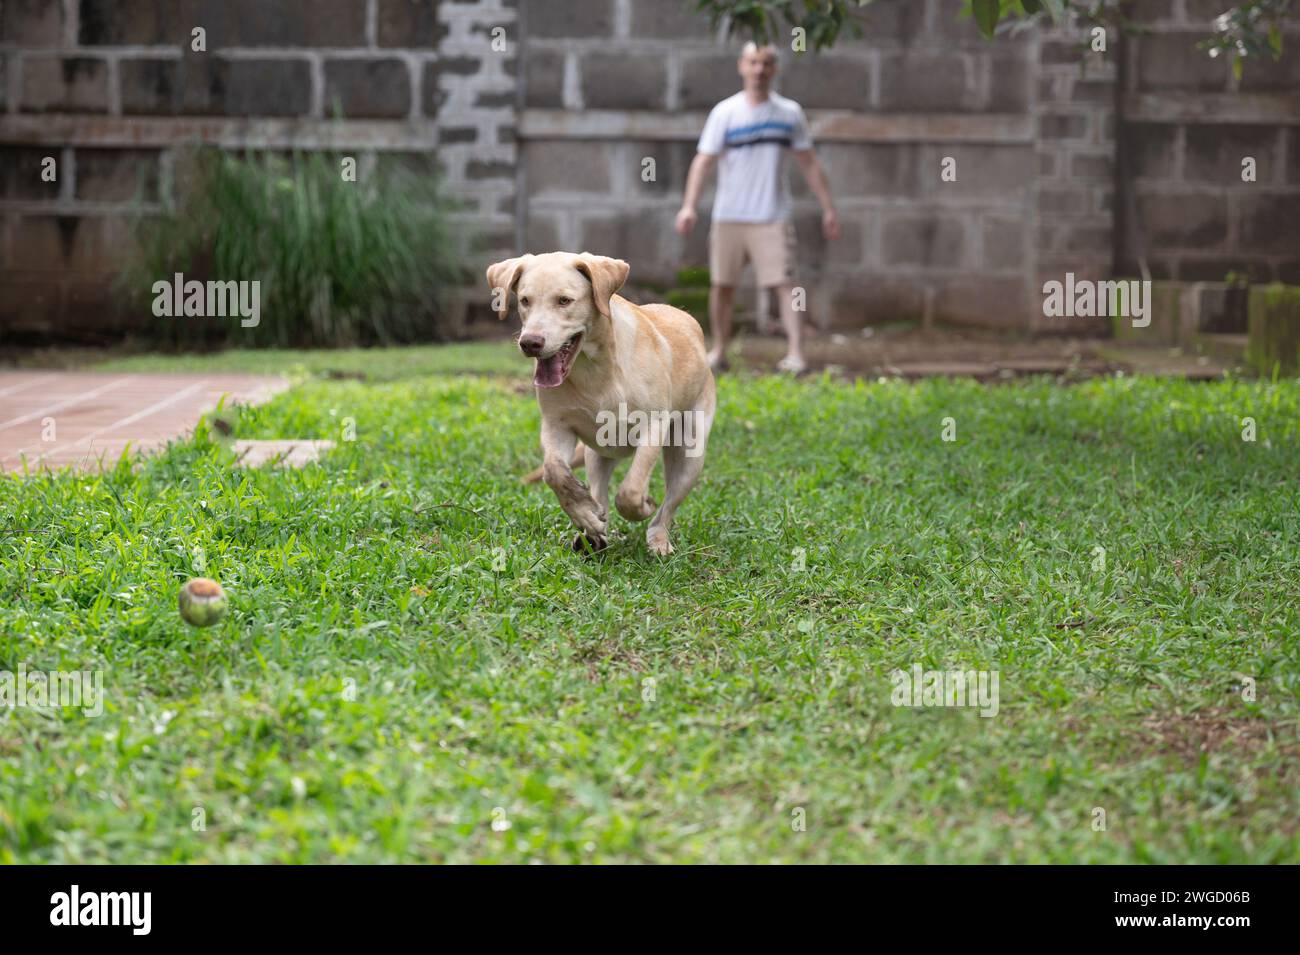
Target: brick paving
54	419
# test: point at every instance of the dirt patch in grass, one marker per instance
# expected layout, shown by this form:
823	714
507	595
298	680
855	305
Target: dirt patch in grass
1214	730
986	355
1188	736
596	656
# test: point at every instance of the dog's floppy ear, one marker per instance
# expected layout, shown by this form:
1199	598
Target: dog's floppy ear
606	276
502	278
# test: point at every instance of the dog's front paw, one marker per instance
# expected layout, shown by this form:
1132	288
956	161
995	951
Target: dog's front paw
590	543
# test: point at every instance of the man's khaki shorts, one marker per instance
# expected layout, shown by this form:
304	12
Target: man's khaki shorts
769	245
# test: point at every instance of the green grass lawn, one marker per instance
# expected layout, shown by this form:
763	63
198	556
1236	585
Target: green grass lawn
379	692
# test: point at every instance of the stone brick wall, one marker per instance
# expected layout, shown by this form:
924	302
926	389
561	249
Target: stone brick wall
543	115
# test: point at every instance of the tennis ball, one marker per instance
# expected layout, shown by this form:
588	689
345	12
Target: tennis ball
202	602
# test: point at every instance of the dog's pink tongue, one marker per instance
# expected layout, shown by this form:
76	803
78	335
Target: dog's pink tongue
549	373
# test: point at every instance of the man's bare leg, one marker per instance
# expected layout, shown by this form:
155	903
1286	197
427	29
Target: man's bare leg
792	322
722	300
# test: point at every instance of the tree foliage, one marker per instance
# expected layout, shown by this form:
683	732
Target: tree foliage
1251	28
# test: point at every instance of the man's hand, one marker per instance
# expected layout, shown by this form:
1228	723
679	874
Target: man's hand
830	225
816	176
701	166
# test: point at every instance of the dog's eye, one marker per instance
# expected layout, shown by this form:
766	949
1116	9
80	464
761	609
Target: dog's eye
564	302
523	302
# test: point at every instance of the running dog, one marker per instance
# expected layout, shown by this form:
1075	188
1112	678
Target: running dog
600	359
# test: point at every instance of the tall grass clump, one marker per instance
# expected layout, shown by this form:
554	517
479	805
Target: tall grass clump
340	262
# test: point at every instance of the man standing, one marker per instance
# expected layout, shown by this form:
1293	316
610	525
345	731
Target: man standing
746	137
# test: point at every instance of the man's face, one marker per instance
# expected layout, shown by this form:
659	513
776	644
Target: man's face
757	67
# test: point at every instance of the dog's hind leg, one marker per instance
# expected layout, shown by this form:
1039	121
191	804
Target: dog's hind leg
537	473
632	501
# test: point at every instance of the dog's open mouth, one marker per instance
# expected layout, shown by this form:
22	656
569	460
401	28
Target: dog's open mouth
552	371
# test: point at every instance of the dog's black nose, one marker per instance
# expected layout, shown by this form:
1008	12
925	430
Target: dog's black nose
531	345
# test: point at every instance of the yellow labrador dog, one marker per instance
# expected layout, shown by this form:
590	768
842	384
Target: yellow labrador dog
622	380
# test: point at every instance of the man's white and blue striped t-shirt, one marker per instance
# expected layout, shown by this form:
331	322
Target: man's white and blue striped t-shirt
751	143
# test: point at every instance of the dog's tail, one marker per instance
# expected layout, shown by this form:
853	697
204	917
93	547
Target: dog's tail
579	459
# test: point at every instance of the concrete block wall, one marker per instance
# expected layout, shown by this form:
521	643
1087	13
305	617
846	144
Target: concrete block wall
615	83
1190	123
112	90
1076	113
544	114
